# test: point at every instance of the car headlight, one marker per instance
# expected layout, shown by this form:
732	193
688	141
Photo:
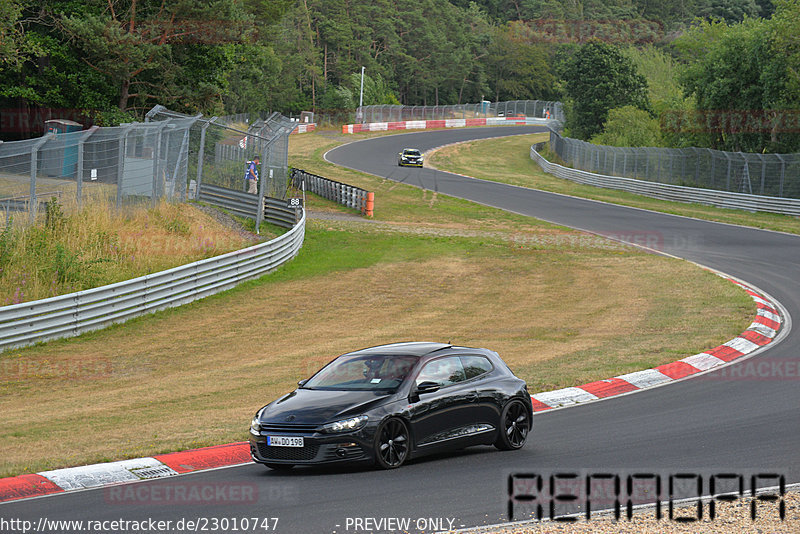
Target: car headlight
255	424
345	425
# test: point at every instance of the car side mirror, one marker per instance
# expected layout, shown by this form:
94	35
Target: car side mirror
427	387
302	382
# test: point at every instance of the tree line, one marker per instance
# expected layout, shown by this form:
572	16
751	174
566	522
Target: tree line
114	59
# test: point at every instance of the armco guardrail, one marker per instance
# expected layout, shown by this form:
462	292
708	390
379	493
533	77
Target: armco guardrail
76	313
277	212
678	193
237	202
246	205
346	195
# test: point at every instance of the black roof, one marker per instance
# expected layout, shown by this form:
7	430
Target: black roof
414	348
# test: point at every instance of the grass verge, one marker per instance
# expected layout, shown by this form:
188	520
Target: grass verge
76	249
508	160
560	308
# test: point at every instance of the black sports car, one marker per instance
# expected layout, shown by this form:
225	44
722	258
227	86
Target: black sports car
390	403
410	156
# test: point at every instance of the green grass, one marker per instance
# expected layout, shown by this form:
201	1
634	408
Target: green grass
507	160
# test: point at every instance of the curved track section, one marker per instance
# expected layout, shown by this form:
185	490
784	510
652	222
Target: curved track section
727	425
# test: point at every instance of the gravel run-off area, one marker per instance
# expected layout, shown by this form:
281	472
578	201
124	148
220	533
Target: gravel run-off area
729	517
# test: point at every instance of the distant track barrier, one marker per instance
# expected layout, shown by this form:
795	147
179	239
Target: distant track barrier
677	193
444	123
346	195
73	314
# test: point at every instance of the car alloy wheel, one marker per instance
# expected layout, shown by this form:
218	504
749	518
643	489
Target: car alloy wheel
514	426
392	444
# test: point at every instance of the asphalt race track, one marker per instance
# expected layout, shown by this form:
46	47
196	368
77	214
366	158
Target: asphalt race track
700	425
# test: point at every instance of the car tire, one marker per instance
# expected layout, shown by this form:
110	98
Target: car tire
392	444
515	424
280	467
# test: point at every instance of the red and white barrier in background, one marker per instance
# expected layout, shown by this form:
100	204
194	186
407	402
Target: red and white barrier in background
442	123
305	128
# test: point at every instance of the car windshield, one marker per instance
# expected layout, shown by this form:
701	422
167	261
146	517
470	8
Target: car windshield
411	152
363	373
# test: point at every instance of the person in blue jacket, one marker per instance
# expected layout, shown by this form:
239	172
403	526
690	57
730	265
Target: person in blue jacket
251	175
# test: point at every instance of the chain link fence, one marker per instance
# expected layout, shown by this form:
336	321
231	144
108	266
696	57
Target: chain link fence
398	113
221	147
126	164
775	175
165	157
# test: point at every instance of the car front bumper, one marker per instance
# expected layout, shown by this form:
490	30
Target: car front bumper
317	449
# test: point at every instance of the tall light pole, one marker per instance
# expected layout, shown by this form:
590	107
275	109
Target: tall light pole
361	98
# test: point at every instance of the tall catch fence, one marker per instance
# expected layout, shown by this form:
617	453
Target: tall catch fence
165	157
221	147
126	164
397	113
775	175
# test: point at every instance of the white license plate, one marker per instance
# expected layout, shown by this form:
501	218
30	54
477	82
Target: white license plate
284	441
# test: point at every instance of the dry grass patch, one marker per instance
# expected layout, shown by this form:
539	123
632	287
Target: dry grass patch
71	248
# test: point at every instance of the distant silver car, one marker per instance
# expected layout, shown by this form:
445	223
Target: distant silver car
410	156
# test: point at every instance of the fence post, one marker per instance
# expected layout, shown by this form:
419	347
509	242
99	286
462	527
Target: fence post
157	164
683	168
34	165
183	151
728	172
783	174
713	168
123	147
201	155
79	169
